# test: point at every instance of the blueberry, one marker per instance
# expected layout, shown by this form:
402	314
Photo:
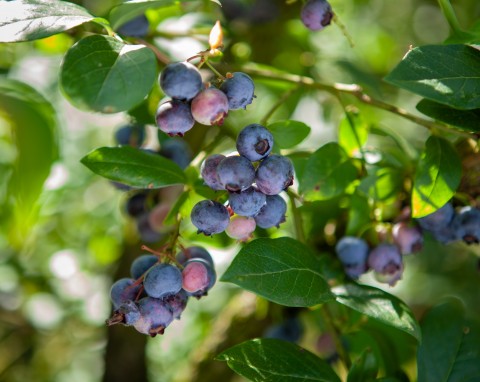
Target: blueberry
177	303
181	80
162	280
194	253
123	290
154	316
254	142
274	174
142	264
241	227
130	135
386	261
248	202
208	170
290	330
144	228
239	89
136	204
408	238
210	107
178	151
130	312
196	282
174	117
446	235
316	14
467	225
136	27
439	219
353	253
235	173
272	214
210	217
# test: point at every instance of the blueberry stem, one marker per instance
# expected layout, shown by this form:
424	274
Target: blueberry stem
451	17
344	30
217	73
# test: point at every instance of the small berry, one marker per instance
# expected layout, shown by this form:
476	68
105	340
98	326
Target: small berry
162	280
210	107
136	204
194	253
239	89
467	225
178	151
210	217
274	174
208	170
136	27
241	227
154	316
248	202
254	142
316	14
195	276
386	261
439	219
174	117
123	290
144	228
235	173
181	80
142	264
408	238
130	135
272	214
353	253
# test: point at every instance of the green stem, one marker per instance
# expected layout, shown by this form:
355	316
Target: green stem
218	74
333	330
450	15
297	218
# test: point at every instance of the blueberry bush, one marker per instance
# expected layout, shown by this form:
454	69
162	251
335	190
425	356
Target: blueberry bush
273	190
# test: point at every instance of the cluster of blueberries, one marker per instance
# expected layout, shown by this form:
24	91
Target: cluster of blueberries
316	14
193	101
157	291
446	225
252	190
149	207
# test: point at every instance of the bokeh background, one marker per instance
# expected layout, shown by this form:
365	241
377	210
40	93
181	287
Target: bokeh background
56	267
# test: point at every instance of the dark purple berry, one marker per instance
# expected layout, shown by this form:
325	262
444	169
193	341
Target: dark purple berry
439	219
136	205
154	316
467	225
142	264
178	151
386	262
248	202
353	253
162	280
210	217
408	238
177	303
130	135
316	14
136	27
274	174
272	214
210	107
208	170
235	173
254	142
123	290
147	233
181	80
239	89
174	117
194	253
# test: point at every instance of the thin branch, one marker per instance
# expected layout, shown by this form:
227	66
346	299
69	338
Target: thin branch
277	104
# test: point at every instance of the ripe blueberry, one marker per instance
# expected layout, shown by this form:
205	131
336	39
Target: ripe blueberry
235	173
136	27
142	264
439	219
210	217
408	238
272	214
123	290
194	253
208	170
353	253
316	14
174	117
239	89
154	316
162	280
274	174
248	202
467	225
177	150
254	142
386	261
181	80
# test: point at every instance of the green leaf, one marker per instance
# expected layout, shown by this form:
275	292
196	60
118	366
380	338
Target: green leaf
102	74
134	167
423	71
468	120
271	360
358	214
26	20
131	9
379	305
328	172
450	350
352	132
364	369
34	127
437	177
288	134
281	270
382	184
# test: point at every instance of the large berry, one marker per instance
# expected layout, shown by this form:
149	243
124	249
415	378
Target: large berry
174	117
408	238
177	150
248	202
467	225
162	280
142	264
274	174
194	253
181	80
210	217
316	14
208	171
155	316
439	219
254	142
386	261
235	173
123	290
210	107
272	214
130	135
241	227
353	253
239	89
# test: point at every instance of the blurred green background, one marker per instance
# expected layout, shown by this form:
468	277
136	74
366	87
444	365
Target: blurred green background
59	257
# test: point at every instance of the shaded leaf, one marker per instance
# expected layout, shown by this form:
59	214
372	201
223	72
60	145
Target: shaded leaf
129	10
352	132
379	305
437	177
134	167
468	120
382	184
26	20
281	270
328	172
450	349
358	214
364	369
288	134
102	74
424	71
271	360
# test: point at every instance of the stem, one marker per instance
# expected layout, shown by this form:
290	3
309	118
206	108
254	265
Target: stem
332	329
297	218
218	74
161	57
450	15
277	104
356	91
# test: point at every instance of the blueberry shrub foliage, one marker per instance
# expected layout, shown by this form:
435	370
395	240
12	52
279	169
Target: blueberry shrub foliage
265	150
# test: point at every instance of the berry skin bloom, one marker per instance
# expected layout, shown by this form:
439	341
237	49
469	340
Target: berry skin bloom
316	14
